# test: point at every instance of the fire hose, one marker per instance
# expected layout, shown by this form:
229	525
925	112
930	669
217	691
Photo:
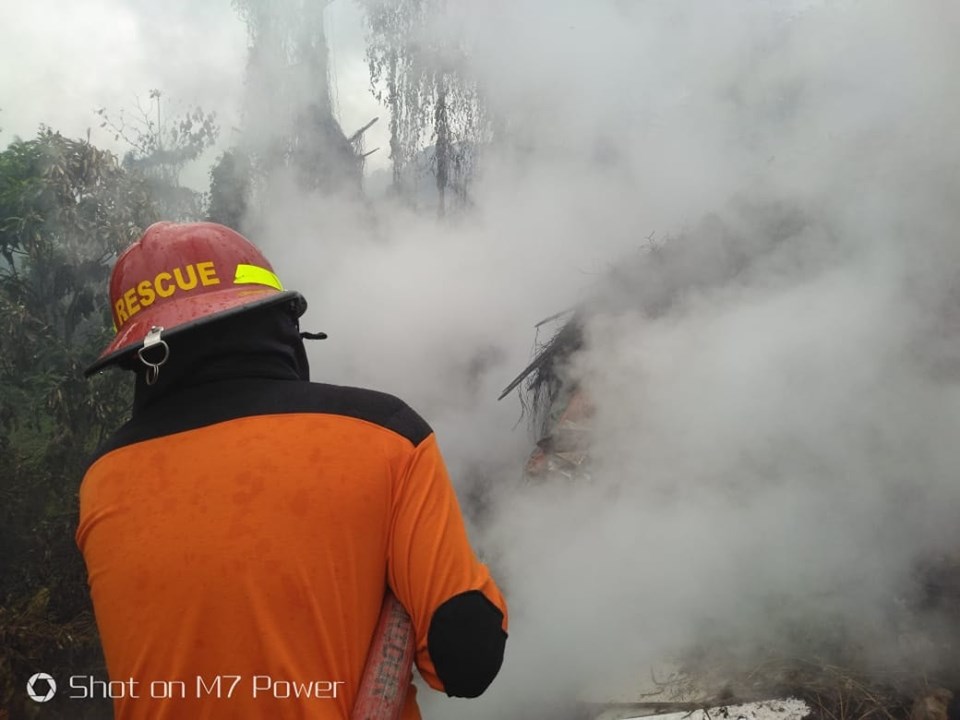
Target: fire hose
389	668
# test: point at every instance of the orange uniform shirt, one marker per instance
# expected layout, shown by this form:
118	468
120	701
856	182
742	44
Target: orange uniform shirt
239	541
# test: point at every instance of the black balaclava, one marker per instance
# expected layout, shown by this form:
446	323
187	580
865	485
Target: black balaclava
260	343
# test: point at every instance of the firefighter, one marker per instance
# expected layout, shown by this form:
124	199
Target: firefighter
241	530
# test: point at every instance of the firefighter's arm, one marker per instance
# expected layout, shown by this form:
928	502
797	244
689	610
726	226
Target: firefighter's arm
458	613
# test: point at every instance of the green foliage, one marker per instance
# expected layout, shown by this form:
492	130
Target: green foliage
66	210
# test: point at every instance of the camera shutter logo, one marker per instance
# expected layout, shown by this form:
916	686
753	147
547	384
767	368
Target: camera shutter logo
41	687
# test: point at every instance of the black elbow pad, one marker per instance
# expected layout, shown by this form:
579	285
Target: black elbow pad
466	643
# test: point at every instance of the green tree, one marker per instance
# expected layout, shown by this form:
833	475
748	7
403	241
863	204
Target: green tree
66	210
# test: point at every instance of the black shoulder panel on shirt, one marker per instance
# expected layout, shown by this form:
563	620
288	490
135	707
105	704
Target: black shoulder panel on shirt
466	643
224	400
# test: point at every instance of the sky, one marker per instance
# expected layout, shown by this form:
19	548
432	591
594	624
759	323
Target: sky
761	198
62	62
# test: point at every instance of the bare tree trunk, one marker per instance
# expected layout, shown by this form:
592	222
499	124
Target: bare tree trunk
442	148
396	151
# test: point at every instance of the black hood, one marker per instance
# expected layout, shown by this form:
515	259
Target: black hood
261	343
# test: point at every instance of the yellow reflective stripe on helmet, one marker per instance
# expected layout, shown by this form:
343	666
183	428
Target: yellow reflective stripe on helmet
253	275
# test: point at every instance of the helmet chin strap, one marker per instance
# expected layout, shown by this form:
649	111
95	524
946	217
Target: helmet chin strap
152	340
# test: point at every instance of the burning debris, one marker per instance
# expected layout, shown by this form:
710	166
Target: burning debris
652	282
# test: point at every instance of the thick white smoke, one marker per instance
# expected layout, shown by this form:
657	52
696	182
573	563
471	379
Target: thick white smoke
776	385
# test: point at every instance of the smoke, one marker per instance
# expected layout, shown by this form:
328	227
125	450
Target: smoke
773	363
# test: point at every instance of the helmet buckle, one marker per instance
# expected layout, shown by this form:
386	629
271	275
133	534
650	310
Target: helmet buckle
153	340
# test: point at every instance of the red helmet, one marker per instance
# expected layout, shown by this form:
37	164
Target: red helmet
179	276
